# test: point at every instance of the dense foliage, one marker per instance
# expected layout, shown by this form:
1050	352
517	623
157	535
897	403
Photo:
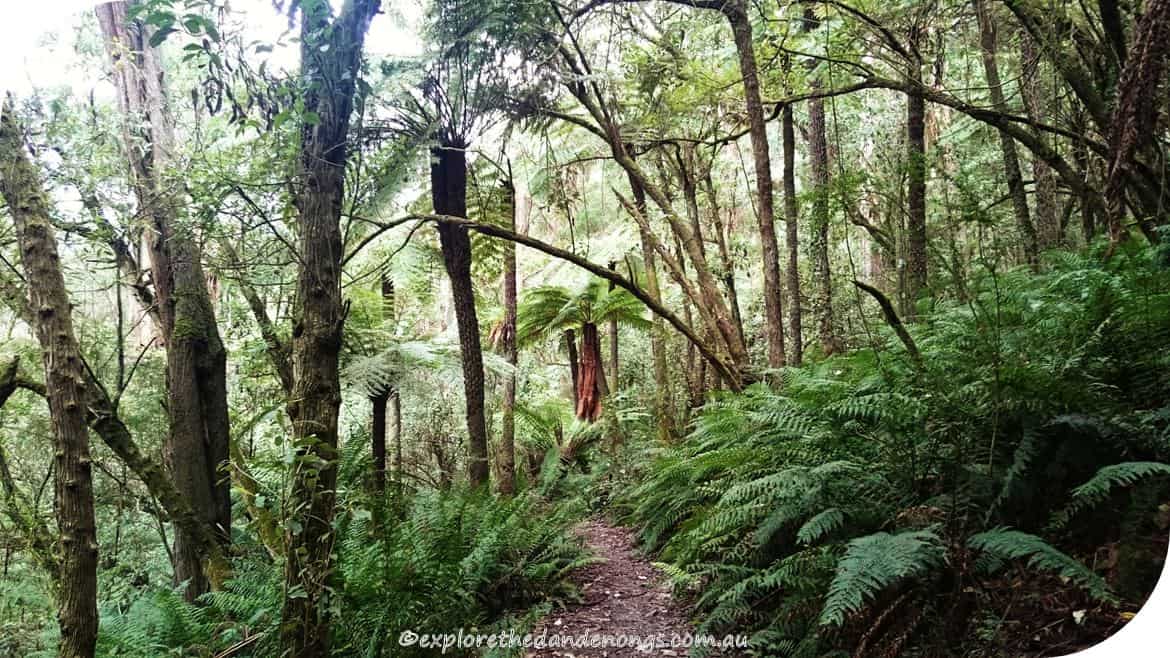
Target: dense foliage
873	503
326	321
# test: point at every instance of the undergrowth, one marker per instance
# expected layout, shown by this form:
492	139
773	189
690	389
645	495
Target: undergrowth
871	506
454	560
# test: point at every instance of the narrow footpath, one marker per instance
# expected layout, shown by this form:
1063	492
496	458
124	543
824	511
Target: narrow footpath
623	596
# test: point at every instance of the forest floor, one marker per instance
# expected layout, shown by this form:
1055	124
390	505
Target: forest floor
623	595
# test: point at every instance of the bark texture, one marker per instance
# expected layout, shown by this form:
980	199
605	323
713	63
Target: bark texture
819	235
792	239
330	60
449	197
1049	232
77	616
1133	123
507	469
198	441
1011	161
589	384
914	272
662	410
741	30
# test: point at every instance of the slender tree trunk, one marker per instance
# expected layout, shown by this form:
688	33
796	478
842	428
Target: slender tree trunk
792	239
331	57
819	166
662	406
1007	146
198	441
77	616
1085	200
507	470
379	401
914	279
727	263
613	341
1049	232
378	440
574	365
396	423
741	29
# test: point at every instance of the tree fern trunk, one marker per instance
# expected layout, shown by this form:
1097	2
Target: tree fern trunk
449	197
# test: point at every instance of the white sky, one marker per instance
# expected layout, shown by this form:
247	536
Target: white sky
37	39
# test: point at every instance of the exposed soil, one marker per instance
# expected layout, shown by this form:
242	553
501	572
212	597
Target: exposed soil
623	596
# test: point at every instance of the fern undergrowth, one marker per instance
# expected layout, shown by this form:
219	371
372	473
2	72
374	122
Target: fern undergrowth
866	506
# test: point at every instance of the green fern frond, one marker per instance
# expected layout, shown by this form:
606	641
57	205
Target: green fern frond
1101	485
876	562
1008	544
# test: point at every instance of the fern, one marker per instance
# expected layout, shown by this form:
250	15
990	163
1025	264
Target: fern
1008	544
876	562
820	525
1109	478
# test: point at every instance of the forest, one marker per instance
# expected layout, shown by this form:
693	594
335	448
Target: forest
810	327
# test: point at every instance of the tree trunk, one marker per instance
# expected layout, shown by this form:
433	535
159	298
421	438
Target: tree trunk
741	29
613	342
709	302
331	58
396	423
507	470
1085	201
589	390
662	406
792	240
915	268
721	236
378	440
574	365
198	441
77	616
1007	146
1049	232
819	166
449	197
1132	126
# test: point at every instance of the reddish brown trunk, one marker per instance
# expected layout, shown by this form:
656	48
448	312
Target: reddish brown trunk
589	391
1132	124
198	441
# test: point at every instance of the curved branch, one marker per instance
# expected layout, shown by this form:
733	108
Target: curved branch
716	360
894	321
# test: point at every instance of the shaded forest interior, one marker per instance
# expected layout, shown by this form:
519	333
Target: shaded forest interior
330	322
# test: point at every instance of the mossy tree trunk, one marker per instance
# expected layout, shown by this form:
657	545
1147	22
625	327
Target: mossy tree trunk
77	615
197	444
